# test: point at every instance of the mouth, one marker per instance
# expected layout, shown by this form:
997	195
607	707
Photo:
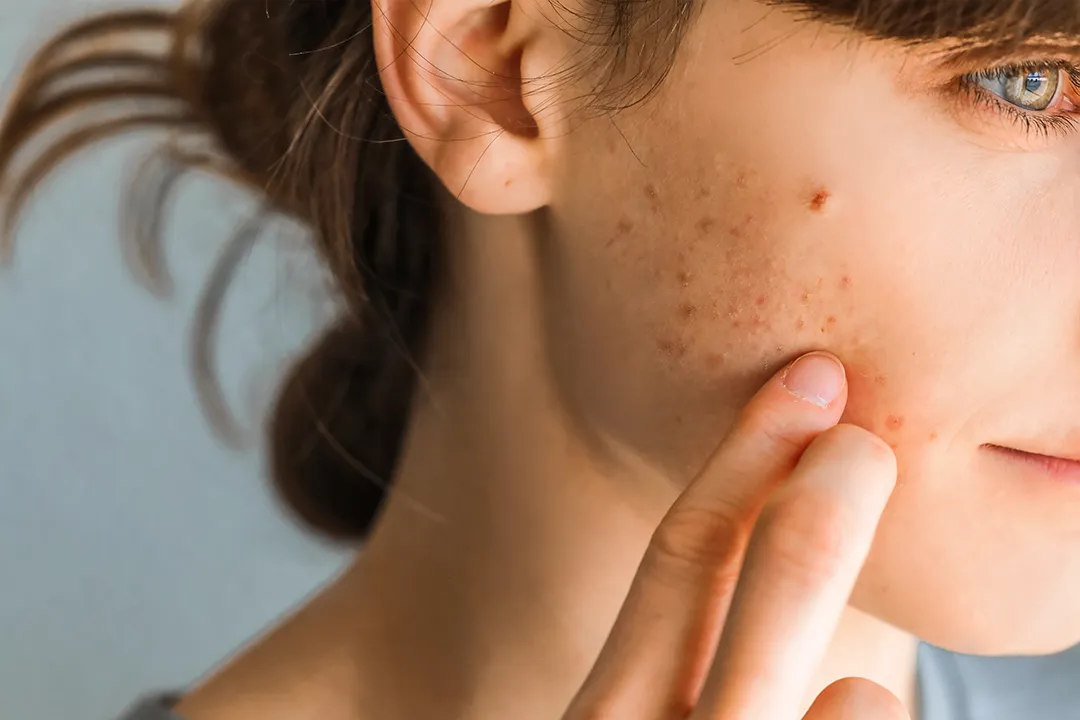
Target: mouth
1058	468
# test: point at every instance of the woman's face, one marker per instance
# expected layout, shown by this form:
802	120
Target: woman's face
795	187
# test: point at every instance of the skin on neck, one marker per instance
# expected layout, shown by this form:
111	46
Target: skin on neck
507	545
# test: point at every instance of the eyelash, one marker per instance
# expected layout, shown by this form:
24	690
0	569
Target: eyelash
1032	121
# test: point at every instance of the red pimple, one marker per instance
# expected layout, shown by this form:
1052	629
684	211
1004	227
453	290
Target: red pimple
819	199
760	301
831	320
713	360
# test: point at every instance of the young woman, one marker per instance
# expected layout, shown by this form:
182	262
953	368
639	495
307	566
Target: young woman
580	245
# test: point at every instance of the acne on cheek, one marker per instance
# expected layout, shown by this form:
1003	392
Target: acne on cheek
764	314
756	303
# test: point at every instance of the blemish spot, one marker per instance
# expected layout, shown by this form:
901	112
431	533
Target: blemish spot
800	324
894	422
509	182
624	226
736	324
651	192
845	282
683	277
758	321
806	298
831	320
714	360
704	192
705	225
678	419
879	380
760	301
894	446
933	436
742	180
687	311
673	348
819	200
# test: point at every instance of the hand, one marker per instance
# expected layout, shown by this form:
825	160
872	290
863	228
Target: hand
744	581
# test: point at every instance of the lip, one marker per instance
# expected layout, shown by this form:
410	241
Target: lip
1058	468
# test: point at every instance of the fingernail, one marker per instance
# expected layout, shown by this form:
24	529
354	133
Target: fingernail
816	378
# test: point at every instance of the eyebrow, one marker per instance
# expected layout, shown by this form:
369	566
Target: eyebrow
986	28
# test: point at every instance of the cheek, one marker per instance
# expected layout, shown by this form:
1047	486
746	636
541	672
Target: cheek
751	282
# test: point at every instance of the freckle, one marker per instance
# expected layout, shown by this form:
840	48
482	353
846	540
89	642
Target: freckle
800	324
736	231
509	182
624	226
714	360
895	422
610	242
845	282
705	225
819	199
879	380
683	277
704	192
933	436
687	311
678	419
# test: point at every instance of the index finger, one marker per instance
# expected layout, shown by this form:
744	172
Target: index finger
809	544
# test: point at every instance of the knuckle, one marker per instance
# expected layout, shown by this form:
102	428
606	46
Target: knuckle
808	536
771	425
696	538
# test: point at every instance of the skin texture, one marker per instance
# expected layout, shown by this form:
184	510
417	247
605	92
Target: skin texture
815	197
618	288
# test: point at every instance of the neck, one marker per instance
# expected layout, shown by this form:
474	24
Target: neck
508	544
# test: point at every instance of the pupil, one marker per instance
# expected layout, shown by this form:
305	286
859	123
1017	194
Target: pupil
1034	82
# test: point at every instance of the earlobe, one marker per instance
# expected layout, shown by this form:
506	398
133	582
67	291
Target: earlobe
451	70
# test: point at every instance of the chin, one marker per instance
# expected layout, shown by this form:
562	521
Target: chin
991	629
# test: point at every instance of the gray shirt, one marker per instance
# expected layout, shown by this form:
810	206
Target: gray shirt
951	687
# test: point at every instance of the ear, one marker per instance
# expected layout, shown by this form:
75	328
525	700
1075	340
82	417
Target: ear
452	71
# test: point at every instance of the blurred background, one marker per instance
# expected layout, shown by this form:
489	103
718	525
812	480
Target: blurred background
135	550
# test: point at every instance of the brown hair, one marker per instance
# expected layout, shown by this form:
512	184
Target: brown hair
285	98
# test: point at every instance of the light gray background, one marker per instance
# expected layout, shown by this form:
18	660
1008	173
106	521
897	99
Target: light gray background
135	551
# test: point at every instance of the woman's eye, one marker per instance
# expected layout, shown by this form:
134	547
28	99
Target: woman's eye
1028	89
